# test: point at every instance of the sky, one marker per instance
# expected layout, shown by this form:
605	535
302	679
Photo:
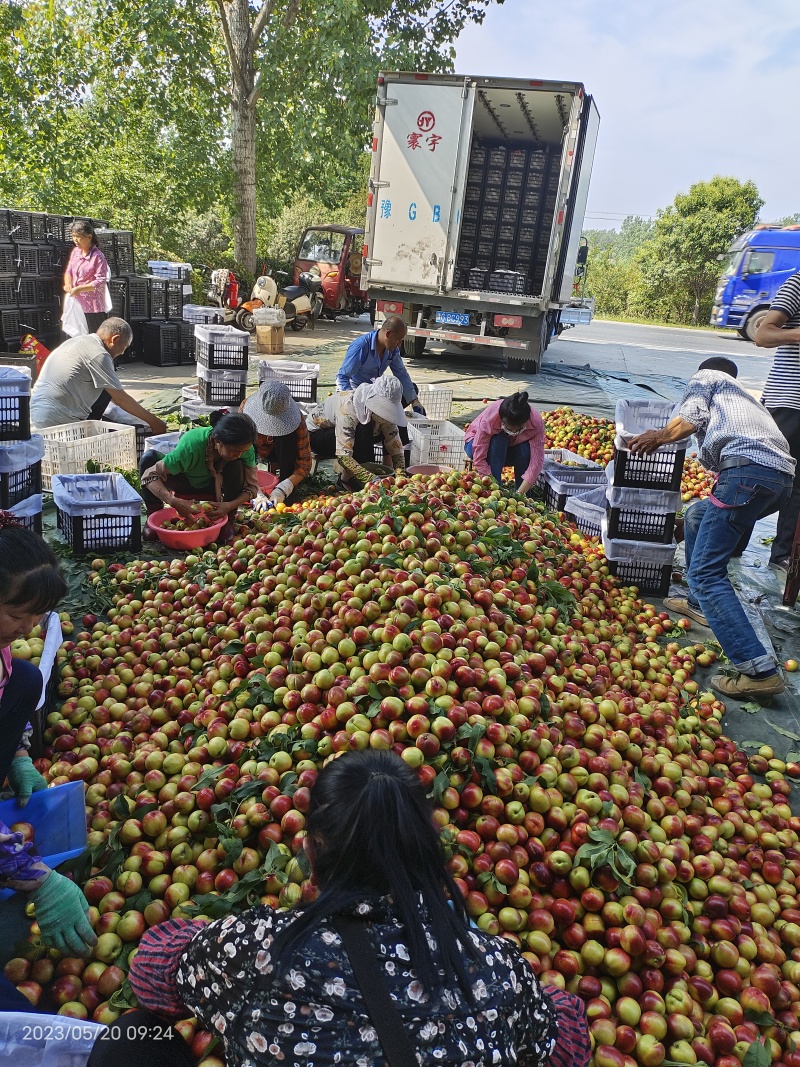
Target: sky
686	90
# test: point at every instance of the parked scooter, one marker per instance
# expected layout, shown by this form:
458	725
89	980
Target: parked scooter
302	304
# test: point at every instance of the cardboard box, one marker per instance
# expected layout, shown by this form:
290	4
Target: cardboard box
270	339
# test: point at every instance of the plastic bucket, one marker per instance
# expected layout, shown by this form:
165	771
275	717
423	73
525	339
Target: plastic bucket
183	540
58	818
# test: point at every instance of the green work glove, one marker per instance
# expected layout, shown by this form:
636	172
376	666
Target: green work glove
24	779
61	914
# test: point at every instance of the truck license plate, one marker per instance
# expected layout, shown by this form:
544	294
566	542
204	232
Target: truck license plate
452	318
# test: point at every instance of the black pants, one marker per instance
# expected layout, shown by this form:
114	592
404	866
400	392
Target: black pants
232	482
788	420
283	456
94	319
141	1039
98	408
17	708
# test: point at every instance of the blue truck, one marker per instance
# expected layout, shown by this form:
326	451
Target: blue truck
756	266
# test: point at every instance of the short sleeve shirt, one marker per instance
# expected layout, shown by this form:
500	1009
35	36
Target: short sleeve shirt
72	378
190	457
782	389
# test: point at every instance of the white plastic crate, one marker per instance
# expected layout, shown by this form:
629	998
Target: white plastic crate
437	401
163	442
165	268
560	483
301	378
269	316
98	512
587	510
69	447
221	347
562	457
633	417
623	551
438	442
15	403
197	313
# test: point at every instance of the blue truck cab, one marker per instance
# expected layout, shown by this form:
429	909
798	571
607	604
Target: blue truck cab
756	266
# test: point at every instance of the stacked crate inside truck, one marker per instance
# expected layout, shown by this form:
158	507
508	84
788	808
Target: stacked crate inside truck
509	203
21	453
434	440
33	254
643	496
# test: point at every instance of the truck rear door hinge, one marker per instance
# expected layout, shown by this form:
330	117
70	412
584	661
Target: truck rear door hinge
378	184
388	102
374	262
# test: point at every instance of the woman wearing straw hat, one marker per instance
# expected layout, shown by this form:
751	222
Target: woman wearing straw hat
281	438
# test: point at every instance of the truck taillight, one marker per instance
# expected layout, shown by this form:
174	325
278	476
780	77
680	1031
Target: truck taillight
389	307
421	77
509	322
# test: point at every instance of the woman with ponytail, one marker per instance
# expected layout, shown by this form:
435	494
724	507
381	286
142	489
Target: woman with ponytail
508	433
388	926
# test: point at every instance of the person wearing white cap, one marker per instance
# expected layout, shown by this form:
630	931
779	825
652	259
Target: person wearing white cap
281	438
378	404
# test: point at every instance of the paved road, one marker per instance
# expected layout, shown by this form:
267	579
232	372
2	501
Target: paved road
622	346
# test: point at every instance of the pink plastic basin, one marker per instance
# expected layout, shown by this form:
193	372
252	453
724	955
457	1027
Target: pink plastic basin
183	540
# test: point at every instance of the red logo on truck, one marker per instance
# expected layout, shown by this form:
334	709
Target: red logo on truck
426	120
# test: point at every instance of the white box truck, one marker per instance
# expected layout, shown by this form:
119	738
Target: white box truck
477	194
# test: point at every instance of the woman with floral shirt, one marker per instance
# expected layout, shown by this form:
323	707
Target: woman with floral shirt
279	988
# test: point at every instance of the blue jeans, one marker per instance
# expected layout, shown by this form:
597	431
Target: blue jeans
711	536
502	453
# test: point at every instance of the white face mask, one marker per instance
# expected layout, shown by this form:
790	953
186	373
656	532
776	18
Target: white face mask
511	433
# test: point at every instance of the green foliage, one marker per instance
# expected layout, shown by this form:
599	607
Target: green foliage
667	270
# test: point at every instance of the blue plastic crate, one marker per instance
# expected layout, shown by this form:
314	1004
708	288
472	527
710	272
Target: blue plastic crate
58	817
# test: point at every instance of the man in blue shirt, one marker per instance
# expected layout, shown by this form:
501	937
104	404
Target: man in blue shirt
369	357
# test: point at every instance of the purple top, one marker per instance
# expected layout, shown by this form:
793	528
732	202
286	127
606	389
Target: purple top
89	269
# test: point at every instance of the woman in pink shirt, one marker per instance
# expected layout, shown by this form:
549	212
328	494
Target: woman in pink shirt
508	433
86	275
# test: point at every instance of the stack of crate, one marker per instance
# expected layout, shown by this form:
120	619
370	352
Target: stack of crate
566	475
222	354
435	441
21	453
509	203
33	253
643	497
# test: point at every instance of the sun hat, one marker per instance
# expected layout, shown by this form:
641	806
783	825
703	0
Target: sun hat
383	398
273	409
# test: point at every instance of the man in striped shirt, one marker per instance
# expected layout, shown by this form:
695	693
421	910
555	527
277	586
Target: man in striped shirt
780	329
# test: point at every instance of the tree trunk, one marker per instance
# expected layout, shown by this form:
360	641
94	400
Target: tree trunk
243	133
696	310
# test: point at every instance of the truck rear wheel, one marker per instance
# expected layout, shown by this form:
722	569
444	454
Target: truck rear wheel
413	347
535	331
754	320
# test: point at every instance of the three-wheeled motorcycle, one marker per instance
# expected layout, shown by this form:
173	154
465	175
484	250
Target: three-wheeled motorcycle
336	252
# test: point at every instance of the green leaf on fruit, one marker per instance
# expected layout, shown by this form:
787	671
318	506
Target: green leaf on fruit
760	1018
440	783
758	1055
752	707
641	778
544	706
208	777
484	768
123	998
233	648
780	730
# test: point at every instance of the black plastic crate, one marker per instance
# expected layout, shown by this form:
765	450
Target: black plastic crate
19	485
38	226
10	324
27	258
220	351
176	298
31	522
8	292
477	278
641	524
221	391
100	533
507	281
118	290
658	470
186	342
27	292
158	297
48	291
49	319
55	228
138	298
105	241
30	321
123	246
53	258
15	418
5	223
8	258
160	345
647	577
19	225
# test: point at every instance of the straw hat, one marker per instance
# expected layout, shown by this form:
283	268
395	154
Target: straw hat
273	409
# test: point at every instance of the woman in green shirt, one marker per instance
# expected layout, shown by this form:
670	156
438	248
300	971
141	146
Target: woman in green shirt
216	462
